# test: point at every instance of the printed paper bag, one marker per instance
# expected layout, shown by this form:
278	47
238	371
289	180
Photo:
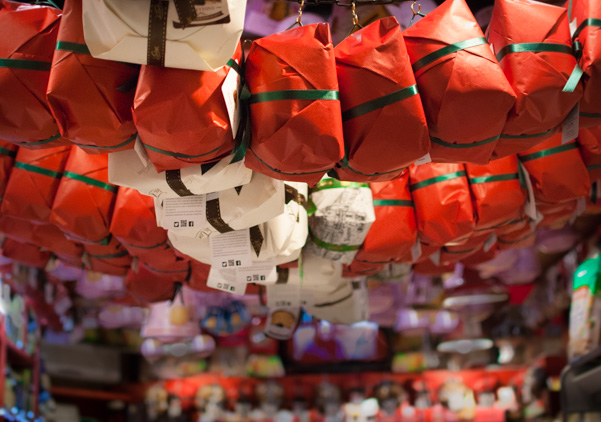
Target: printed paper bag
183	34
540	66
295	111
33	183
383	118
90	99
458	79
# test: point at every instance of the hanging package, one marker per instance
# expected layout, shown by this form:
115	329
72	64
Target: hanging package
443	205
28	36
556	216
589	143
498	193
383	118
585	18
16	229
185	117
84	202
458	79
33	183
111	258
8	152
51	238
176	33
454	253
295	112
546	164
148	286
25	253
540	66
90	99
520	238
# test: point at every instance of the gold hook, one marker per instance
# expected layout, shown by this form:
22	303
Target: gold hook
354	12
300	12
419	8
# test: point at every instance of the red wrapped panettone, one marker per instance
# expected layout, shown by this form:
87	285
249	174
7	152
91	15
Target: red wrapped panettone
25	253
149	286
8	152
111	258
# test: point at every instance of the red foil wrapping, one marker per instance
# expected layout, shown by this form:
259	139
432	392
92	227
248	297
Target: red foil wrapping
455	253
538	77
556	216
292	138
458	79
383	118
25	253
111	258
520	238
90	98
50	237
33	183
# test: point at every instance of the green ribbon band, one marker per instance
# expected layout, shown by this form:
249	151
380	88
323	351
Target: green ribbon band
378	103
294	94
92	182
437	179
38	170
232	63
496	178
595	167
103	242
345	164
432	57
109	256
471	145
73	47
43	141
331	247
8	152
334	184
534	135
547	152
25	64
573	80
122	144
585	23
591	115
393	203
177	154
144	247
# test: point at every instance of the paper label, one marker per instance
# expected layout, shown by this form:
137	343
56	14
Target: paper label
416	250
570	126
283	295
231	250
435	258
573	27
225	280
232	102
281	322
530	206
490	242
424	160
142	155
260	272
206	13
184	212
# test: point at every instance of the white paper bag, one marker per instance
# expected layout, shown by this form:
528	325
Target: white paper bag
118	30
126	169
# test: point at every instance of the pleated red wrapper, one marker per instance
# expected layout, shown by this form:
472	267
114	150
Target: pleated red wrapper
181	116
454	253
150	286
16	229
383	118
556	216
8	152
28	35
586	15
539	64
589	142
428	267
547	163
520	238
33	183
111	258
50	237
198	277
480	256
25	253
84	202
295	111
458	79
443	205
90	98
497	191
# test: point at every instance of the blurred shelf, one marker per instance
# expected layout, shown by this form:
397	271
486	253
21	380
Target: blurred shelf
82	393
581	384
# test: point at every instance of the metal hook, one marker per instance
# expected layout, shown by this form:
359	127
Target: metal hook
418	13
300	13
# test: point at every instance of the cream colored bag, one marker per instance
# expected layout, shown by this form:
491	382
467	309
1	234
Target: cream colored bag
185	34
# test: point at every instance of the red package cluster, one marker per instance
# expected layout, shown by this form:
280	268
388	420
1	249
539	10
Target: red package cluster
443	204
84	201
25	253
111	258
295	111
547	163
33	183
556	216
586	16
520	238
394	233
8	152
199	274
497	191
383	118
459	80
28	36
147	285
454	253
540	66
589	142
90	98
182	116
16	229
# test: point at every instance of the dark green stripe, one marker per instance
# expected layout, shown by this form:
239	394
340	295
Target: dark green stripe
294	94
591	115
332	247
547	152
144	247
426	60
437	179
43	141
378	103
8	152
25	64
283	172
495	178
393	203
109	256
177	154
39	170
471	145
232	63
585	23
103	242
89	181
595	167
122	144
72	47
335	184
534	135
533	47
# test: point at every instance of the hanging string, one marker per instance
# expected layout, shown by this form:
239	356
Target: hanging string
418	13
